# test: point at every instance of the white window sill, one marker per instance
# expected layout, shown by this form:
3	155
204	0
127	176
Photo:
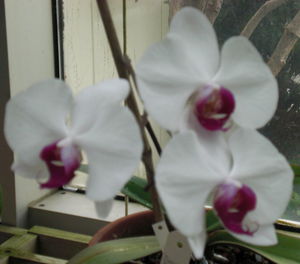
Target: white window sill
74	212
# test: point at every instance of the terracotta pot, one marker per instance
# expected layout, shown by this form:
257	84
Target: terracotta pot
138	224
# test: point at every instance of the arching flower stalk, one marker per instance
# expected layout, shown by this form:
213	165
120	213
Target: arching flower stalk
47	128
250	182
184	79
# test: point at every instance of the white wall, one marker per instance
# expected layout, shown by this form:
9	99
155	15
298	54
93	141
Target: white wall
88	57
30	54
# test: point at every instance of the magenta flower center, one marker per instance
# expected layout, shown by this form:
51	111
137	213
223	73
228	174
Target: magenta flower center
214	109
232	202
61	161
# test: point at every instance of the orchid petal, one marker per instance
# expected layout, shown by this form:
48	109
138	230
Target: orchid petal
90	101
244	72
184	178
259	165
70	157
265	235
197	244
166	80
214	143
171	70
103	208
36	117
113	146
36	170
194	28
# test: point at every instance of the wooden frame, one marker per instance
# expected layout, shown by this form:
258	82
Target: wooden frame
58	26
39	245
27	56
7	178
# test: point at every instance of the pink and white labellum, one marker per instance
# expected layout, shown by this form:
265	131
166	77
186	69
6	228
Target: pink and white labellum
214	109
232	202
62	161
188	62
48	128
235	170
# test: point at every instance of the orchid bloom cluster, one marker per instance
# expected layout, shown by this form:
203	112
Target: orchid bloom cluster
48	128
213	101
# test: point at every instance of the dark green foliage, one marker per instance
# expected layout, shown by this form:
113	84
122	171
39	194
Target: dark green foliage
1	200
136	189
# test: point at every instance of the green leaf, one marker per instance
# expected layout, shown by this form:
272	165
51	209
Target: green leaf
296	169
293	210
136	190
297	181
212	221
117	251
287	251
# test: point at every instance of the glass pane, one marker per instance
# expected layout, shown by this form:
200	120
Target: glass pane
284	129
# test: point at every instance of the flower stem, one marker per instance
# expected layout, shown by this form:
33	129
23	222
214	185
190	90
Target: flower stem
260	14
211	8
286	44
125	71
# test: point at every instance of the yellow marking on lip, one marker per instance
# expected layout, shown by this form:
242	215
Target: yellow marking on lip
57	163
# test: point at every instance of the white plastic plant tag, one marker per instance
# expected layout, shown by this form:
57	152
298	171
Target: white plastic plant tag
161	232
176	250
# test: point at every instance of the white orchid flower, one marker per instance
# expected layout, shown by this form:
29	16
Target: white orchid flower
185	74
47	129
251	183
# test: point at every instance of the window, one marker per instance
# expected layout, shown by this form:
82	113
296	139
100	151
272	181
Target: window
88	59
85	57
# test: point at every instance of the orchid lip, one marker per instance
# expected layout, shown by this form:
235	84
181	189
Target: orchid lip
62	160
232	202
214	108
